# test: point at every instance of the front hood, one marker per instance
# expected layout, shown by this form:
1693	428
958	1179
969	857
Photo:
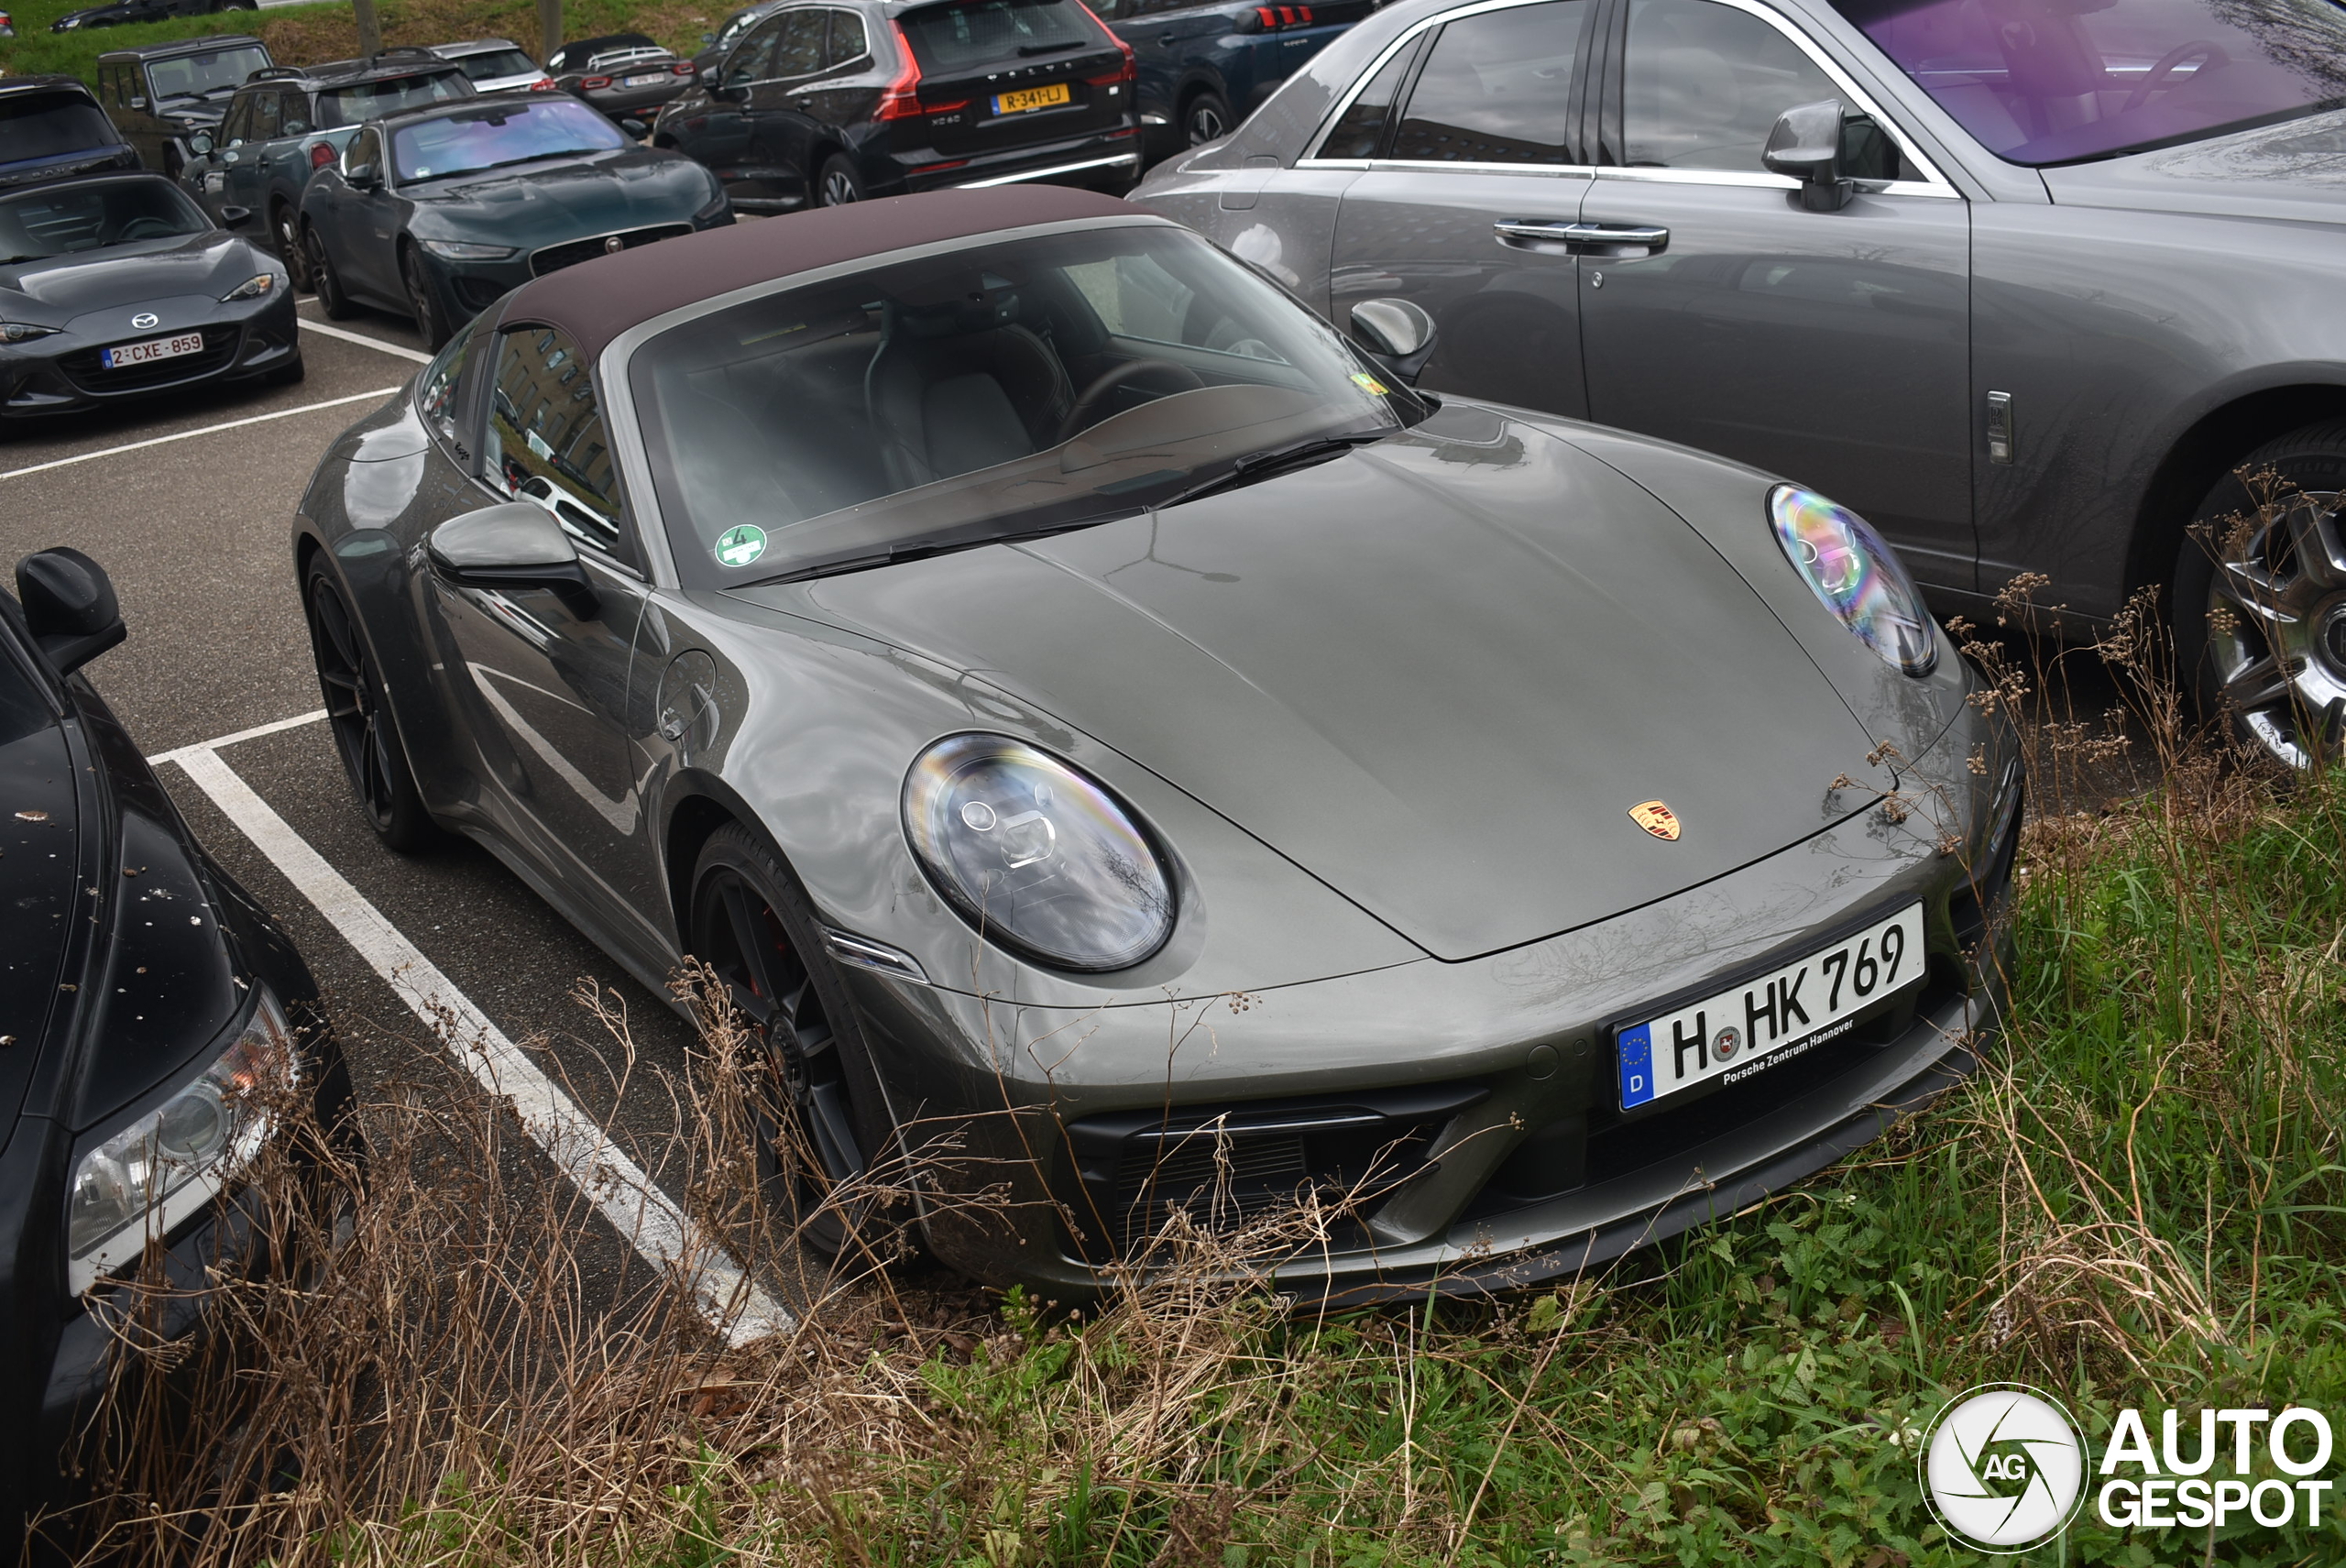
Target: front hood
544	203
1437	673
2295	171
201	267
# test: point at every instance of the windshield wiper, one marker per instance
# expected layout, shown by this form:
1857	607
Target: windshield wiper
921	549
1267	464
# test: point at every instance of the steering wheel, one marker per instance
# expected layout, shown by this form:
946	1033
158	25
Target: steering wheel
1086	405
2205	48
149	227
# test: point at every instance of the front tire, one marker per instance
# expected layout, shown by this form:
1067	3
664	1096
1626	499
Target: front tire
2260	597
820	1114
365	736
423	301
839	183
331	299
286	232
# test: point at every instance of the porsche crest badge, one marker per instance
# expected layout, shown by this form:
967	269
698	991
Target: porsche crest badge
1655	818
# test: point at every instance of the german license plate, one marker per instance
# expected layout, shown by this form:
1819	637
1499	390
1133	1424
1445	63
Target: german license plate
646	80
1027	98
154	348
1750	1028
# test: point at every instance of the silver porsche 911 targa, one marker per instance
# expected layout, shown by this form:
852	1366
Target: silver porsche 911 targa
1113	736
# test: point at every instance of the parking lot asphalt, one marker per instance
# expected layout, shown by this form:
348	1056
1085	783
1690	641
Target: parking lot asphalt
188	507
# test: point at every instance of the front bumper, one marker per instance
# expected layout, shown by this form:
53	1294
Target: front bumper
62	375
468	287
1470	1108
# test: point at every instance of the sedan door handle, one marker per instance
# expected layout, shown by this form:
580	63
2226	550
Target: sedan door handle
1624	241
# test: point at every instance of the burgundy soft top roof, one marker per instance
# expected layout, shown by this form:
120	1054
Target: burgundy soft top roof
597	301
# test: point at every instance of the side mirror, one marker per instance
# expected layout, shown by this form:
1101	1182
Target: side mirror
1806	144
708	38
69	605
1399	333
363	176
200	143
635	128
234	217
138	103
515	545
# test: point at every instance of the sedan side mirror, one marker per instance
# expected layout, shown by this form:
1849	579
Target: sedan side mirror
1399	333
1806	144
200	143
233	217
515	545
69	606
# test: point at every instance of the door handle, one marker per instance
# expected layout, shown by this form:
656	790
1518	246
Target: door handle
1624	241
1168	40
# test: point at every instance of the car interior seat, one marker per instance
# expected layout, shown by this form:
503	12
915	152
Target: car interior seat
962	386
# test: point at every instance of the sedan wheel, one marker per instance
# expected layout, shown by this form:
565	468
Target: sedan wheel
752	927
2267	645
361	722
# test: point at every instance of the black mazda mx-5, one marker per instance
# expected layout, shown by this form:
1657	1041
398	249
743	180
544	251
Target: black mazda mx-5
118	286
143	997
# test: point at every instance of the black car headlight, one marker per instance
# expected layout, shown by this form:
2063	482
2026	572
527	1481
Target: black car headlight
1042	860
144	1180
252	287
1856	576
465	250
24	331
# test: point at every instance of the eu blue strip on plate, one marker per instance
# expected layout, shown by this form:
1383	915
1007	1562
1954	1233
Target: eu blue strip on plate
1637	1065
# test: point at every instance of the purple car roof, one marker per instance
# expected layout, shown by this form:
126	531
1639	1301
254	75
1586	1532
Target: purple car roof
596	300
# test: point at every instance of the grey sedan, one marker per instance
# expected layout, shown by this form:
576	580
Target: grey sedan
1125	748
2021	282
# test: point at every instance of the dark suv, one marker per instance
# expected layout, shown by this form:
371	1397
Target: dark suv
50	127
291	122
823	104
1203	67
160	94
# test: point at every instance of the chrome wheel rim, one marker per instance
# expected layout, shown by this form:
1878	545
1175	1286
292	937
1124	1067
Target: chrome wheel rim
347	677
838	188
770	985
1205	124
2276	628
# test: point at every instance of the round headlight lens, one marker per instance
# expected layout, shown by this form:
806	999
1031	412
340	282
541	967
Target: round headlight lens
1036	856
1854	572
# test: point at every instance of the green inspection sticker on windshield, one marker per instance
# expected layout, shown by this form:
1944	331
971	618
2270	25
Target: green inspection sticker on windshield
741	545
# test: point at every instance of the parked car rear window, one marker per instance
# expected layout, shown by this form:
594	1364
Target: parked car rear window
214	74
58	220
49	125
362	101
496	135
2045	82
983	32
496	63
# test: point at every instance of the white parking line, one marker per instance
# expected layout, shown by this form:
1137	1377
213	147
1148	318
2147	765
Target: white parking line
734	1305
191	435
359	337
254	733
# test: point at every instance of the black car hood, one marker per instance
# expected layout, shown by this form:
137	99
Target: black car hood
545	203
203	265
2295	171
1436	673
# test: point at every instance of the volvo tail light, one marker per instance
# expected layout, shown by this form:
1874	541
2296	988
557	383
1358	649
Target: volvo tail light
1130	71
900	100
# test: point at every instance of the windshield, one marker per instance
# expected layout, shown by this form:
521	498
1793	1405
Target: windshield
1004	389
2044	81
58	220
363	100
488	66
216	74
51	124
498	134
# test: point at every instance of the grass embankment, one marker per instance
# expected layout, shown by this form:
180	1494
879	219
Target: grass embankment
2137	1203
306	35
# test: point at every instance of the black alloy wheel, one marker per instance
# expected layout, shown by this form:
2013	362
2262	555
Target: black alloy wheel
361	721
331	299
422	299
839	184
754	929
2260	598
286	232
1208	118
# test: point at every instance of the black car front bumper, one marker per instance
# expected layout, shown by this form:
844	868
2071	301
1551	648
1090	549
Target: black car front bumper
64	373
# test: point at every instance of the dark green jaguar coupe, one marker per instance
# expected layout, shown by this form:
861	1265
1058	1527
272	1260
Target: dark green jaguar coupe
438	212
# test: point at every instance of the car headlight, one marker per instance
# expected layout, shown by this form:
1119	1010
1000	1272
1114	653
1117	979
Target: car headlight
1855	575
251	288
162	1168
1039	857
714	210
24	331
464	250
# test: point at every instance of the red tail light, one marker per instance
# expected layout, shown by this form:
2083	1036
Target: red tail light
542	84
683	68
321	154
594	83
900	100
1132	68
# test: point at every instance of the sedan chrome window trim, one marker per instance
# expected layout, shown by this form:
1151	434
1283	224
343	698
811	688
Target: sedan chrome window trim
613	364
